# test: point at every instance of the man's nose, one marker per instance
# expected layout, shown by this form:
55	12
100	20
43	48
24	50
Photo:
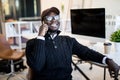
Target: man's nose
53	19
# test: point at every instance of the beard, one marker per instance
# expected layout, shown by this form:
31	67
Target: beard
54	27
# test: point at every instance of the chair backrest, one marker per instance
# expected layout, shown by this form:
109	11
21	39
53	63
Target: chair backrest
5	49
6	52
3	42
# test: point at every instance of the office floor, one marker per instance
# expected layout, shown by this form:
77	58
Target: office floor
95	74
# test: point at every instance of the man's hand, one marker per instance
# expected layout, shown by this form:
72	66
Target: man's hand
43	29
113	68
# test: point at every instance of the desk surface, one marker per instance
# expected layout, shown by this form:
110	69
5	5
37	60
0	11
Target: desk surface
115	56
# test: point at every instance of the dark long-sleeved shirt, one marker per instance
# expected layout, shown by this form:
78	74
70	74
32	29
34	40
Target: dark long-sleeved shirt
50	59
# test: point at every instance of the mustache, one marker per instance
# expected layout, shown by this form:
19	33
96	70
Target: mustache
54	25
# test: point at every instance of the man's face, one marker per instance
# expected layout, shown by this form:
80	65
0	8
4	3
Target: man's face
52	20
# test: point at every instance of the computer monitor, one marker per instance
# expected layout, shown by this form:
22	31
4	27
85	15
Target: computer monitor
89	23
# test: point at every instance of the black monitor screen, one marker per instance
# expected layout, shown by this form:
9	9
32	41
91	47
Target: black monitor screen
89	22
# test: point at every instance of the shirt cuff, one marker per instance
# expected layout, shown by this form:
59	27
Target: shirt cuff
104	60
41	37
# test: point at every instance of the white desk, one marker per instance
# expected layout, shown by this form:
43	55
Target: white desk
115	56
100	48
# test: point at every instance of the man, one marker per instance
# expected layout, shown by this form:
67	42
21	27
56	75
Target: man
49	56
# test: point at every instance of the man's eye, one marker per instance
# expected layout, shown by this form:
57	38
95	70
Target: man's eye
56	17
49	18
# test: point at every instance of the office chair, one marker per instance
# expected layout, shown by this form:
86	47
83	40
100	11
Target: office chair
92	63
8	54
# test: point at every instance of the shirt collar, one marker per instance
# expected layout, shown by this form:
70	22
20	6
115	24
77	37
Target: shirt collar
54	35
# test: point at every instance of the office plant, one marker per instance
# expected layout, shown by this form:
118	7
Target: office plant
115	37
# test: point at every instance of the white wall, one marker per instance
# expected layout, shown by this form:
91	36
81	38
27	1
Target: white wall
50	3
112	8
56	3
